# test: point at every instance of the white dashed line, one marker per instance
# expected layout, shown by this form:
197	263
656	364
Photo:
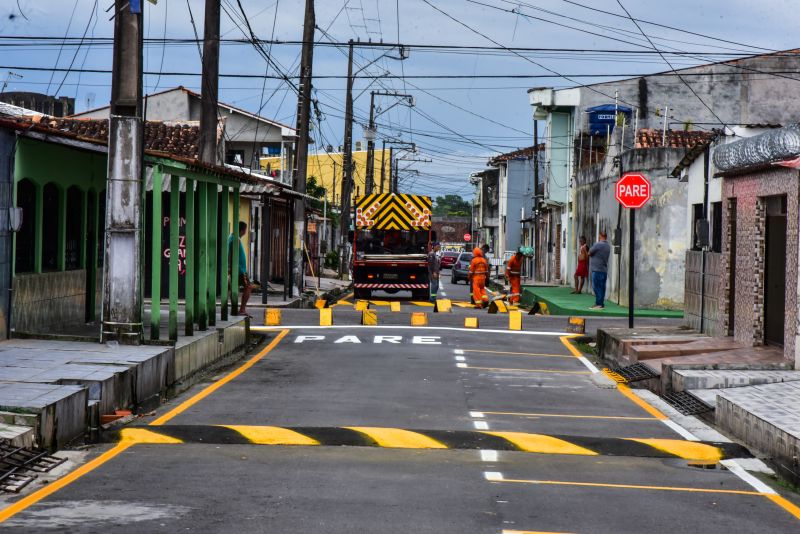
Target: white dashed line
489	456
481	425
460	359
477	415
458	351
493	476
461	365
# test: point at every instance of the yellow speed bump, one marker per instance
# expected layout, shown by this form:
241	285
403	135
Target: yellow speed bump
688	450
419	319
443	306
394	306
142	435
326	317
369	318
515	320
397	438
541	444
470	322
272	435
497	306
362	305
272	317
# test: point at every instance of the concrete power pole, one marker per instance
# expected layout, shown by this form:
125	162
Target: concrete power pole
347	160
301	167
370	175
122	255
536	247
210	84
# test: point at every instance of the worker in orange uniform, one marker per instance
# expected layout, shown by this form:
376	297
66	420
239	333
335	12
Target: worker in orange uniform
513	276
478	270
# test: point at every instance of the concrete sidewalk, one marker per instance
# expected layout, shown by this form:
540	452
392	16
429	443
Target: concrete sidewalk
560	300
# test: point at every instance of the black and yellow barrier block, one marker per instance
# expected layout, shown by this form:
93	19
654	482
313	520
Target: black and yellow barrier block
361	305
394	306
321	303
576	325
443	306
498	306
326	317
515	320
400	438
419	319
272	317
470	322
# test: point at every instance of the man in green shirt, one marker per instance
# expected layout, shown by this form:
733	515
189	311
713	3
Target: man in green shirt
244	280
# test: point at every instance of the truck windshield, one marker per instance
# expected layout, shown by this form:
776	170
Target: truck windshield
392	241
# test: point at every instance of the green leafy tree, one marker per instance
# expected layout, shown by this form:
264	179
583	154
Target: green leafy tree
451	205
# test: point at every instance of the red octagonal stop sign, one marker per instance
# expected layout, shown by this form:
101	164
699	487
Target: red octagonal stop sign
632	191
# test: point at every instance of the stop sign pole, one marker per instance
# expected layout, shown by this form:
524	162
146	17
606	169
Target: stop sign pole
633	192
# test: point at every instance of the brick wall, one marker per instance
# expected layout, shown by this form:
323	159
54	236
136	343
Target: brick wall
749	191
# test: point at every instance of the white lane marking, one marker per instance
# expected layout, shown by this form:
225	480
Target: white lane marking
489	456
461	365
589	365
680	430
481	425
458	351
460	359
442	293
477	415
493	476
301	339
392	327
739	471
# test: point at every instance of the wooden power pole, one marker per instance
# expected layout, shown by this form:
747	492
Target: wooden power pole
301	159
122	254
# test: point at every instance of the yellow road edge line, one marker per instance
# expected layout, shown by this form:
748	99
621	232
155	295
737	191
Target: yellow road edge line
397	438
90	466
271	435
688	450
541	443
570	347
630	486
422	304
62	482
529	370
784	503
641	403
211	388
520	353
572	416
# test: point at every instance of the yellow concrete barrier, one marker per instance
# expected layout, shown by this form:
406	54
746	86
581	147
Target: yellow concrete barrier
470	322
443	306
394	306
515	320
369	318
326	317
419	319
362	305
321	303
272	317
576	325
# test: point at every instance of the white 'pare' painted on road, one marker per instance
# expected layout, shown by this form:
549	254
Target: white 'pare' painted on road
415	340
489	456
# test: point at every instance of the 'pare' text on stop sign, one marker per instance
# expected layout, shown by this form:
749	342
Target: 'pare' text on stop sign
634	190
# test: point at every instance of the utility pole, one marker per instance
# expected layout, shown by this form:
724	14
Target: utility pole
122	255
347	162
369	180
301	167
383	164
210	85
536	254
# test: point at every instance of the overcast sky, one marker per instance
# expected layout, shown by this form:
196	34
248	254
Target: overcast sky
458	123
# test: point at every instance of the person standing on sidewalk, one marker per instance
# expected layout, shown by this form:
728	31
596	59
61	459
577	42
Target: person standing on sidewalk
242	279
434	266
478	270
598	265
513	276
582	271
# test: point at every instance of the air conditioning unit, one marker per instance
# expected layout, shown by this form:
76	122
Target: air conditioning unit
359	146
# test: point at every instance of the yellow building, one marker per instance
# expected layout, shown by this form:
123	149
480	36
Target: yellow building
327	169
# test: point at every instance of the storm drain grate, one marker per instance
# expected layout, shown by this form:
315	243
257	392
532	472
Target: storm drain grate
18	466
686	403
635	372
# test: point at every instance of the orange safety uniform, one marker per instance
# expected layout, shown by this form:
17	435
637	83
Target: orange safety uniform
478	271
514	275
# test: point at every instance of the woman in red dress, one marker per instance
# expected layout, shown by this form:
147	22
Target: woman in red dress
582	271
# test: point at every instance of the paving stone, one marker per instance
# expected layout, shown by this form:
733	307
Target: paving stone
692	379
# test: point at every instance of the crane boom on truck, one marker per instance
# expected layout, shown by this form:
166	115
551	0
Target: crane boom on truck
391	238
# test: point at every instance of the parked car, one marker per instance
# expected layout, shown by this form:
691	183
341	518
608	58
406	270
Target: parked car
460	269
448	259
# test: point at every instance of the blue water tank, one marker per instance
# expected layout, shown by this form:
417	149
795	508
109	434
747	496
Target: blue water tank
601	118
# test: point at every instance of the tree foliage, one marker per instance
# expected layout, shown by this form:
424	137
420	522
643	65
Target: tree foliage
451	205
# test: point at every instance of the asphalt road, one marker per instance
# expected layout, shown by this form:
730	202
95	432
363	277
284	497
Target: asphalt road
373	414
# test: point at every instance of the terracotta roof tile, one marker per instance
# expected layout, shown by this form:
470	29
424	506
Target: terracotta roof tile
516	154
654	138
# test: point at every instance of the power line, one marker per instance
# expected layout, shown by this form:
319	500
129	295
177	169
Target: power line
61	48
